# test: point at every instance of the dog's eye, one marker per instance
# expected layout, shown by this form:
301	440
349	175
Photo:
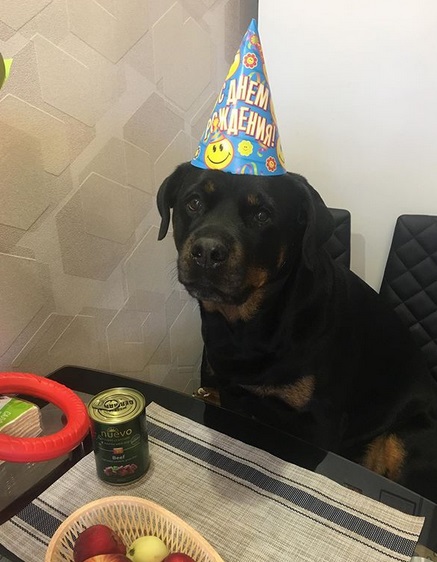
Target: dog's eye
194	205
262	216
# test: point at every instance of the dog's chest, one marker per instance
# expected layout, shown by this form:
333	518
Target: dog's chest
252	352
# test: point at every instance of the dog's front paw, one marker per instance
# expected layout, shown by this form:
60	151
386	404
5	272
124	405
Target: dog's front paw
208	394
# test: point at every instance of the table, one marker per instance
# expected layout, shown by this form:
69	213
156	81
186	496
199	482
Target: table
87	382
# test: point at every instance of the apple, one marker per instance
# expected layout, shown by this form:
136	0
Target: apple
97	539
111	557
147	549
178	557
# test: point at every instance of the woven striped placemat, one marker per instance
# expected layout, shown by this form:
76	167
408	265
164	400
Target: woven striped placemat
247	503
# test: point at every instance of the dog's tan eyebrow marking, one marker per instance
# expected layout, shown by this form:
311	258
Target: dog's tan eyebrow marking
386	455
209	187
253	199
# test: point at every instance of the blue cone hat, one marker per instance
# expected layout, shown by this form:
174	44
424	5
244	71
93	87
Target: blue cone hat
241	136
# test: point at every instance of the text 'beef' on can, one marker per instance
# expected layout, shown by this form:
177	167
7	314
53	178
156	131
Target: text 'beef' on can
121	444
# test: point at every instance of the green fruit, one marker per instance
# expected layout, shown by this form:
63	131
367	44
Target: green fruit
147	549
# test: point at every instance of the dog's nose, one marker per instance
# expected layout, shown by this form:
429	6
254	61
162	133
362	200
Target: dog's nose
209	252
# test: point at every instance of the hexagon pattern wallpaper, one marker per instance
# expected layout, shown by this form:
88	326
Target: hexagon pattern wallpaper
104	99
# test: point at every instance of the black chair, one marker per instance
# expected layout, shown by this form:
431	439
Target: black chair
409	283
339	246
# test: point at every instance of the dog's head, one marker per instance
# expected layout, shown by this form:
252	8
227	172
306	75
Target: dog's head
236	234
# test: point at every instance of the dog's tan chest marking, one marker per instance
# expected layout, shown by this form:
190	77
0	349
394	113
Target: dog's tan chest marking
296	395
386	455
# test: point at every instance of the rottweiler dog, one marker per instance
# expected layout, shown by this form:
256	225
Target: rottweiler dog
293	338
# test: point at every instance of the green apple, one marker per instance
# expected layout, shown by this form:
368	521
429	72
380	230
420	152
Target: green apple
147	549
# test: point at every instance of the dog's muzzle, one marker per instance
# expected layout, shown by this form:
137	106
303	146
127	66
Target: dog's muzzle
211	267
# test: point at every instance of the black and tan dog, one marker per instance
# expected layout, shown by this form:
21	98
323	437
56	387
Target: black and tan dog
293	338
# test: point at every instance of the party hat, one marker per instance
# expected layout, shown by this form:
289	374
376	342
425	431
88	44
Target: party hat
241	136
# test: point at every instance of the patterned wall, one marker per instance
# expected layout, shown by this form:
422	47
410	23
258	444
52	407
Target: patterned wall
104	99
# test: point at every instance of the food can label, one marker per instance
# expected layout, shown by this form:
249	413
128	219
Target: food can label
121	447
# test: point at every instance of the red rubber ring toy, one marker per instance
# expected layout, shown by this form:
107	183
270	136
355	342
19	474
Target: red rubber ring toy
36	449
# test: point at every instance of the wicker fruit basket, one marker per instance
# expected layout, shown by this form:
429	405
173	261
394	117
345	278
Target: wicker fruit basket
130	517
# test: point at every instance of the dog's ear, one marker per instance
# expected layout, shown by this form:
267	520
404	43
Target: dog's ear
167	196
319	223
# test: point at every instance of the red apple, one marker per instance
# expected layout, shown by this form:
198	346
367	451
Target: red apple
113	557
97	539
178	557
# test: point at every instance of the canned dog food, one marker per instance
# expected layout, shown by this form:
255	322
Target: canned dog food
121	445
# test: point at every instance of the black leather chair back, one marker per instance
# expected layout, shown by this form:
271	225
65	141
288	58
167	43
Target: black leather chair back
339	245
409	283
